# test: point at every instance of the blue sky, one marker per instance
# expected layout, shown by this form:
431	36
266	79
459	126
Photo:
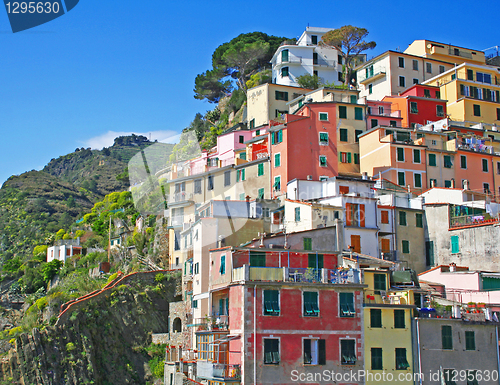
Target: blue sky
108	68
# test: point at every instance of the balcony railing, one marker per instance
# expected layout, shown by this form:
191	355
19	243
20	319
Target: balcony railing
177	220
467	220
291	59
213	371
209	323
373	75
292	274
178	197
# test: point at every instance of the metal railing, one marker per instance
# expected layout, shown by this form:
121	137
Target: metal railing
209	323
291	59
474	219
180	197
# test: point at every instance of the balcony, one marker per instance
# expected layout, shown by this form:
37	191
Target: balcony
260	154
374	111
180	197
461	53
291	60
211	323
215	371
177	220
325	63
298	275
379	73
471	220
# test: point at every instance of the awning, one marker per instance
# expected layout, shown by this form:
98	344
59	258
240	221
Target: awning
201	296
224	339
492	275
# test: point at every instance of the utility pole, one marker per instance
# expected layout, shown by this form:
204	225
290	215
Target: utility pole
109	238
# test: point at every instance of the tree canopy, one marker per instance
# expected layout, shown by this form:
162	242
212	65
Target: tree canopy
349	41
234	63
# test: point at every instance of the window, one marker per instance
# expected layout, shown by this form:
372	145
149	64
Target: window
277	183
392	123
340	59
210	184
277	137
477	110
449	376
348	352
356	158
314	39
370	89
419	220
447	183
342	112
271	351
314	352
197	186
379	282
463	161
323	116
438	94
346	302
252	124
439	110
271	302
447	161
242	196
375	318
441	69
400	154
357	133
307	243
428	68
358	113
401	178
355	214
297	214
416	156
446	337
485	165
417	180
374	123
343	190
401	62
222	268
260	193
311	308
376	354
429	253
470	341
284	55
277	160
470	75
322	161
399	319
227	178
405	246
413	107
323	138
415	65
345	157
279	95
427	93
402	218
384	216
260	169
415	81
240	175
243	155
402	82
343	135
401	361
432	159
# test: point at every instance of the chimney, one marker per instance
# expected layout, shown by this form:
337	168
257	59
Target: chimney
364	175
453	267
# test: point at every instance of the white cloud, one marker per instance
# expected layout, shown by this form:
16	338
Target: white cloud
107	139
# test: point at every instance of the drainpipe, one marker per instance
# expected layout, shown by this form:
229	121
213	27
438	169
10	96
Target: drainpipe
255	334
493	178
498	357
419	357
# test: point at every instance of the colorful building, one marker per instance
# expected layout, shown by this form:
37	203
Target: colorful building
445	52
381	113
289	312
419	105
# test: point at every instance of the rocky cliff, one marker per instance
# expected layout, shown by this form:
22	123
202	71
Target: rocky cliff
98	339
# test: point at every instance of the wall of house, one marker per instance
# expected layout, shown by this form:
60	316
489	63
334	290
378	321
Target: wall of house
478	245
440	51
375	149
433	358
415	259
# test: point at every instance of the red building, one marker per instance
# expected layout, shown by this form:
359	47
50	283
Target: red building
419	105
379	113
278	316
305	147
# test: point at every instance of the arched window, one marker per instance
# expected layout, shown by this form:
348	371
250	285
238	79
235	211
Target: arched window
177	325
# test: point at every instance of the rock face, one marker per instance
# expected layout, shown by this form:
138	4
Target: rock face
98	340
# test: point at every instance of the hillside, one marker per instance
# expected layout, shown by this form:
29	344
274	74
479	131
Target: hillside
36	204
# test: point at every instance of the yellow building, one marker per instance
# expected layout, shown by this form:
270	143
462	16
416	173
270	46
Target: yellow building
472	91
387	330
445	52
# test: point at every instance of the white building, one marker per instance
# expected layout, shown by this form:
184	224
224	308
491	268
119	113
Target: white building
64	249
306	57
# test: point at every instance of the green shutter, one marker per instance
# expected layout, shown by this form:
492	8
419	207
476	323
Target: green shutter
455	247
406	246
432	159
277	160
223	264
375	318
342	112
297	214
418	180
260	169
307	243
358	113
343	135
260	194
348	157
271	302
416	156
429	253
257	259
399	319
356	158
402	218
470	341
273	141
446	337
284	55
376	354
280	136
379	282
419	220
